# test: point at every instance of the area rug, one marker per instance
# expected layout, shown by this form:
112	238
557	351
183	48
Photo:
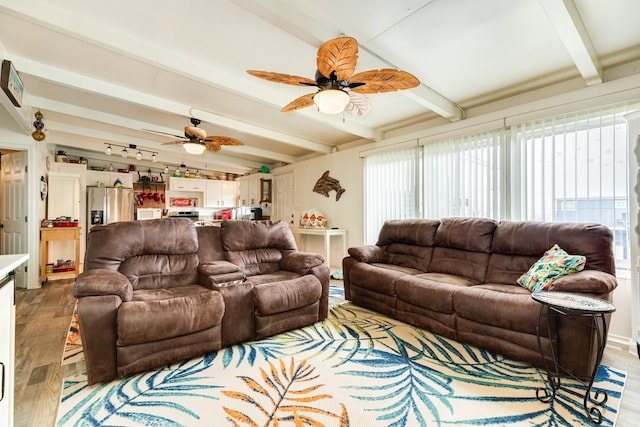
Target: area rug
357	368
72	352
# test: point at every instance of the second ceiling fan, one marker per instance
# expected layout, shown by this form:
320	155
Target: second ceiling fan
338	88
196	141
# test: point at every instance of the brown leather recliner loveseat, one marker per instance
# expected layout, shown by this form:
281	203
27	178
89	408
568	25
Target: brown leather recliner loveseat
458	278
158	291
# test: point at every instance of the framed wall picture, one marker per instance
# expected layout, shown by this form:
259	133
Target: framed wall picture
11	83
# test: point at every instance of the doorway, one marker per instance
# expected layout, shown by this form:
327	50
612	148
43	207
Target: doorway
13	207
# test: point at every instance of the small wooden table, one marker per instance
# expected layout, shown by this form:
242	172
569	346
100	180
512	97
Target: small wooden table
58	234
573	305
327	233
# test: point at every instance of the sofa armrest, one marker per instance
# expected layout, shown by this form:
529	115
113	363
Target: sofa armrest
301	262
368	253
215	268
101	281
213	273
588	281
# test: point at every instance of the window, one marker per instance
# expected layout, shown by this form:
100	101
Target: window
392	190
462	176
574	168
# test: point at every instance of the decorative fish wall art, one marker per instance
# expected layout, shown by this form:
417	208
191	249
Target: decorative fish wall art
325	184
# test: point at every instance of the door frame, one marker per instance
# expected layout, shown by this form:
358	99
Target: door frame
33	223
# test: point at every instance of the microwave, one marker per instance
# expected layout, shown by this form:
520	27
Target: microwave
148	213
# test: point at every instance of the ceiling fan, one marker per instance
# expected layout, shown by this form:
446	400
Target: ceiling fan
196	141
338	88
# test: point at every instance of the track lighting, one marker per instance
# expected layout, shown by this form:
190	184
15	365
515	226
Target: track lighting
125	153
166	169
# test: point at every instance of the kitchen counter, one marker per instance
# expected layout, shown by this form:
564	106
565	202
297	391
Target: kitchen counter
8	263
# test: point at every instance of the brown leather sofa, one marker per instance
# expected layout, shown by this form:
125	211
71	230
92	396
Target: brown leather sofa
158	291
458	278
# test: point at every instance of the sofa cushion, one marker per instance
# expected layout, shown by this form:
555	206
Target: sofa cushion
469	234
168	313
458	262
151	254
408	243
530	239
278	297
380	278
503	306
257	247
433	291
554	264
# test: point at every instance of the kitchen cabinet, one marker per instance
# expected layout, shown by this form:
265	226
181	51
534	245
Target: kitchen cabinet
187	184
8	263
255	189
220	194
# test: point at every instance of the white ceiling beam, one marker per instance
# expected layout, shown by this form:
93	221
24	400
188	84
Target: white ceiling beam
83	133
90	85
93	32
310	30
136	125
566	20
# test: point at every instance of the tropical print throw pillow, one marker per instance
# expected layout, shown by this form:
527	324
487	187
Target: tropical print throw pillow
555	263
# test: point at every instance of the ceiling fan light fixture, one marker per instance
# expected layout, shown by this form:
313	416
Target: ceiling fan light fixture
194	147
331	101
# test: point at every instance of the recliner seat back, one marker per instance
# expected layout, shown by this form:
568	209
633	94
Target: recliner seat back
462	247
257	247
518	244
152	254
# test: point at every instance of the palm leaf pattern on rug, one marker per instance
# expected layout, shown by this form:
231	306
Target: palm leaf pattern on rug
354	365
136	398
288	394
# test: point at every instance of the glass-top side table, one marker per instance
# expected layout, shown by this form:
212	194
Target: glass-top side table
572	305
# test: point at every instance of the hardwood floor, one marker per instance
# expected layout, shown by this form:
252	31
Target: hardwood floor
43	317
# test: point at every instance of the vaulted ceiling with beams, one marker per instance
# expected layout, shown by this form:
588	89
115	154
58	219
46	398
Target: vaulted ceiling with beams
102	71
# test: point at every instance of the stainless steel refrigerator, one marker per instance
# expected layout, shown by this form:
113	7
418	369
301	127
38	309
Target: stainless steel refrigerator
108	204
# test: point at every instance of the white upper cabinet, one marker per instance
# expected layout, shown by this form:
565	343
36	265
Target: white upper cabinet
220	194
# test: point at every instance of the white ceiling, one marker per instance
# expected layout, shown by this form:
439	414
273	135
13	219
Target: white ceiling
100	71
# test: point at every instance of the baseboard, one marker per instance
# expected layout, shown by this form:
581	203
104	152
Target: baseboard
622	343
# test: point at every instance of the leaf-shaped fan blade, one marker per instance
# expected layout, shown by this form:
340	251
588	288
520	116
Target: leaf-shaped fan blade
339	55
282	78
213	147
223	140
175	142
163	133
384	80
298	103
358	105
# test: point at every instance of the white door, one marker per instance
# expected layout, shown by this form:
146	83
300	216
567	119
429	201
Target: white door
14	209
283	206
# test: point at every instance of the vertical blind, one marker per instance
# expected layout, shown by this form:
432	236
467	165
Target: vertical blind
571	167
391	186
462	176
574	168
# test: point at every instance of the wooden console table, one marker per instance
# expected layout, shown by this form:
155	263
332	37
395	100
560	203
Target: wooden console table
58	234
327	233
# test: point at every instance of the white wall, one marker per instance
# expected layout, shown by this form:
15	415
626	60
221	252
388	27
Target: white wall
347	213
